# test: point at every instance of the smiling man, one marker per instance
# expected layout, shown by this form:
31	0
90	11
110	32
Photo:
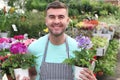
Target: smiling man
53	48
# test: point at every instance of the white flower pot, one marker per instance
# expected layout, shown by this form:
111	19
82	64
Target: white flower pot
77	72
21	72
4	77
4	34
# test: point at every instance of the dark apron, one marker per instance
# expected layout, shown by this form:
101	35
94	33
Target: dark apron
55	71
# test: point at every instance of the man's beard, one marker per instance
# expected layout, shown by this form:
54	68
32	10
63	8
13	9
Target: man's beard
57	35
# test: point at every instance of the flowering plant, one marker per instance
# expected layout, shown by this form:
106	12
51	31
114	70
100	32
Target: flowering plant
83	56
87	24
15	55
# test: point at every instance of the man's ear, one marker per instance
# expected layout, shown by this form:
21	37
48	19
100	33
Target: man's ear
68	21
46	24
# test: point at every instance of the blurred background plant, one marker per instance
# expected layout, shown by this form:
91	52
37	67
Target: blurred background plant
30	14
104	64
3	20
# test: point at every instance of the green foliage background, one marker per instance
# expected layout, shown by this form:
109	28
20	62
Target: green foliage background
78	9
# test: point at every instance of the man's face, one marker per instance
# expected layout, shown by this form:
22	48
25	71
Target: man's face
57	20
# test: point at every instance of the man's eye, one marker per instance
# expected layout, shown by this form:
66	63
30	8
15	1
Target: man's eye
51	17
61	17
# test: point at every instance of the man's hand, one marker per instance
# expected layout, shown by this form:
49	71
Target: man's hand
24	78
87	75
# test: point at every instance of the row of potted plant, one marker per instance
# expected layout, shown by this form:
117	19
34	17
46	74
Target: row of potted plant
14	54
106	65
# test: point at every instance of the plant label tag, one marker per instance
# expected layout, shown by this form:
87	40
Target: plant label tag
4	77
96	16
92	67
14	27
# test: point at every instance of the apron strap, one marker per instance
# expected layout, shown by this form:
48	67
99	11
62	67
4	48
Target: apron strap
67	47
45	51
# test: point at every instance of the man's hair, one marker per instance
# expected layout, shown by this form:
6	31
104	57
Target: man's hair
56	5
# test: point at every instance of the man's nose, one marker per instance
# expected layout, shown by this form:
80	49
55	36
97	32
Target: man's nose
57	20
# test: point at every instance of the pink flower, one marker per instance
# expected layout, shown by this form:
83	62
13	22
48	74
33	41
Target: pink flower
19	37
29	41
18	48
4	40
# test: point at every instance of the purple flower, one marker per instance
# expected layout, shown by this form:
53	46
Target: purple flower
84	42
12	40
18	48
4	45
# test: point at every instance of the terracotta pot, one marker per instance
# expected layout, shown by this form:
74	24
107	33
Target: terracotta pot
23	18
9	77
32	73
100	73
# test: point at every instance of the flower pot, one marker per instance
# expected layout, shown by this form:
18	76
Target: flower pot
9	77
21	72
4	34
111	33
77	72
23	18
6	77
32	73
100	73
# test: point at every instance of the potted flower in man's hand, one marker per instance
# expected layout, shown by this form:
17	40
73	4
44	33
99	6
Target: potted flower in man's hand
83	56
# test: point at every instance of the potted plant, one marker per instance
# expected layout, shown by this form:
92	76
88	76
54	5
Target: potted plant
104	65
100	44
4	23
6	17
17	57
83	56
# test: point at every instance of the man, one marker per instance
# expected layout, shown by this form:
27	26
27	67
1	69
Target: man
53	48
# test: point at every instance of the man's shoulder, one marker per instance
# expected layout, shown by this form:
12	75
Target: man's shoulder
39	42
71	40
43	39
